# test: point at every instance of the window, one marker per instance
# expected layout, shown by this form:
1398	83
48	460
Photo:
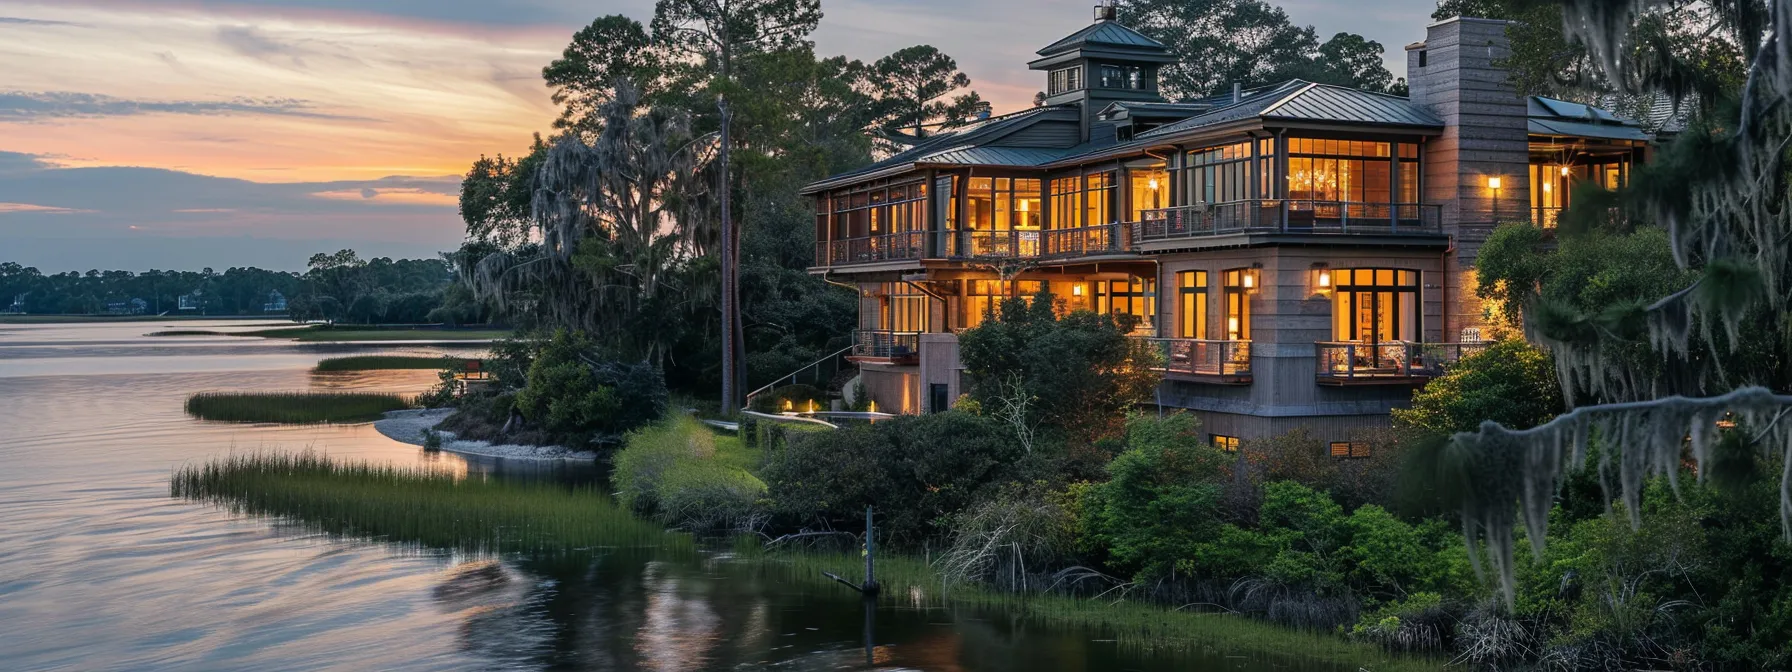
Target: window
1067	202
1219	174
984	298
1551	183
1134	77
1066	79
879	210
902	308
1339	170
1150	189
1228	444
1137	297
1191	304
1374	305
1098	199
1238	303
1349	449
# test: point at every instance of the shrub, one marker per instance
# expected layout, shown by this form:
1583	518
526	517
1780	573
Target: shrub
1024	529
1512	383
1161	500
673	472
576	395
916	471
294	407
799	396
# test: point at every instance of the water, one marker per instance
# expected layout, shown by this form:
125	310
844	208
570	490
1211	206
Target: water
101	570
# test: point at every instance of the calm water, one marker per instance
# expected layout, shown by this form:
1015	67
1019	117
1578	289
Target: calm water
101	570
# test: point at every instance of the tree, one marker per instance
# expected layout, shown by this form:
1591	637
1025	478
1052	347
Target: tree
584	78
1720	193
496	196
1081	370
913	82
1512	383
719	32
1249	42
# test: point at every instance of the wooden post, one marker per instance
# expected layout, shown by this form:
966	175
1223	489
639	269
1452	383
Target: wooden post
870	586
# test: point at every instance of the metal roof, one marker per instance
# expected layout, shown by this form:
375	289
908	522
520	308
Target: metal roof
1582	129
997	156
1298	100
1108	33
956	139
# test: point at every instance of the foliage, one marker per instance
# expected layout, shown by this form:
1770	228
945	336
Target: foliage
798	395
574	392
673	471
910	85
1161	499
1250	42
916	471
294	407
385	363
1082	370
1023	529
1511	382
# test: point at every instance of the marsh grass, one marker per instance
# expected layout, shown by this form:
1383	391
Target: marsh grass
294	407
385	363
330	333
421	507
186	332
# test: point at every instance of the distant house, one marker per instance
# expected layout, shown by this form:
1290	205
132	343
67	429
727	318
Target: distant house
131	307
276	303
17	307
194	301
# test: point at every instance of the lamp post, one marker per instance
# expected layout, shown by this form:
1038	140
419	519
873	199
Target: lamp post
1494	183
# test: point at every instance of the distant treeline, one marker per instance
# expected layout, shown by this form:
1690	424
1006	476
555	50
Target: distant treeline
338	287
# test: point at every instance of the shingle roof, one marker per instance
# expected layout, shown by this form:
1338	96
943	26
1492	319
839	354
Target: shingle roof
1105	33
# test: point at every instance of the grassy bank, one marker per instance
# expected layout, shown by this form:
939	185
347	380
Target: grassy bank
294	407
81	319
420	507
322	333
439	511
187	332
383	363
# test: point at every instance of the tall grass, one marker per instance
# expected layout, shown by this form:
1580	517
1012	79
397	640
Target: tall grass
420	507
385	363
294	407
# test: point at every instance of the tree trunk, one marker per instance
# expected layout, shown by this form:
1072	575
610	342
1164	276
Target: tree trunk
730	298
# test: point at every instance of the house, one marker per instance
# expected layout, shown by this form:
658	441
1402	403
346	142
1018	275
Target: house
276	303
131	307
1301	254
17	307
193	301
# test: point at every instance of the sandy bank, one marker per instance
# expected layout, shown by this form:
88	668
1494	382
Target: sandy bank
408	426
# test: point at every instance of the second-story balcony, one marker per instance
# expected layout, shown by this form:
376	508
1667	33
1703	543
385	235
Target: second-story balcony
1226	362
1287	216
887	347
1387	362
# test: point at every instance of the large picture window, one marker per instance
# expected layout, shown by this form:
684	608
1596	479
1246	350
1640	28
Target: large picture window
1219	174
1191	304
1136	297
1339	170
1376	305
983	298
1150	190
902	309
879	210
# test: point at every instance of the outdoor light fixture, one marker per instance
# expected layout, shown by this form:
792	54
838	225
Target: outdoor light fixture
1564	171
873	405
1152	184
787	405
1493	183
1247	278
1076	289
1322	278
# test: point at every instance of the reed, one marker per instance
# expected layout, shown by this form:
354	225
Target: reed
186	332
384	363
420	507
294	407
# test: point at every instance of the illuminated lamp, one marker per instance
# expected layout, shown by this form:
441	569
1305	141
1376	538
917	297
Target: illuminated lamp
1322	278
1493	183
1076	289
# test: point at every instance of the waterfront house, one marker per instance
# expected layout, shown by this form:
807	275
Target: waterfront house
276	302
1301	254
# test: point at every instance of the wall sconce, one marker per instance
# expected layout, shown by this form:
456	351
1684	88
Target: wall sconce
1076	289
1493	183
1248	277
1322	278
1564	171
1152	184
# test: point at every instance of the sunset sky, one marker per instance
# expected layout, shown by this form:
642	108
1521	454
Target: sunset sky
167	134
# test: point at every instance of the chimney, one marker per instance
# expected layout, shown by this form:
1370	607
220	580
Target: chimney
1237	92
1106	12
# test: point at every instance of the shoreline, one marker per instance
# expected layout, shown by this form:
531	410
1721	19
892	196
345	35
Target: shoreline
407	426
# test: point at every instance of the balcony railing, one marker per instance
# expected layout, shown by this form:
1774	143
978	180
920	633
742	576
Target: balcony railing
892	345
1345	362
887	247
1227	360
1287	216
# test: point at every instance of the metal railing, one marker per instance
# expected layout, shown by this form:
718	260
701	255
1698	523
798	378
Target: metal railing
1199	357
1087	240
887	247
1280	215
879	344
1345	361
820	373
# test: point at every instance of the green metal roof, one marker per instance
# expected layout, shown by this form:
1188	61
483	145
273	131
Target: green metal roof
1297	100
1549	116
1106	33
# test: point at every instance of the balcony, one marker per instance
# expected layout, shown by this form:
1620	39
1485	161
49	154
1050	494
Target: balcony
887	247
1287	216
1224	362
887	347
1388	363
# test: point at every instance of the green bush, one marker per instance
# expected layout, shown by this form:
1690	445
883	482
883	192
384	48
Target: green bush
1161	500
916	471
800	397
673	471
579	397
1511	382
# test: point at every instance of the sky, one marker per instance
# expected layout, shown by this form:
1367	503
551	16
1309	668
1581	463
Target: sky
139	134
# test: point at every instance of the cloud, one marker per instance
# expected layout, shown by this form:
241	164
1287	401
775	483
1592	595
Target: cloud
19	21
9	208
36	105
250	41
